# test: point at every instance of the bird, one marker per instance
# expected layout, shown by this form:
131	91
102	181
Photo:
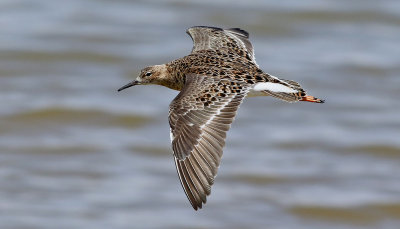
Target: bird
213	81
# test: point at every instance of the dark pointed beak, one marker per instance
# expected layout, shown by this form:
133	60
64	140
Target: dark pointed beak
133	83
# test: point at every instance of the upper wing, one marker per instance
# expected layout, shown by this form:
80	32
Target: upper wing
235	40
199	118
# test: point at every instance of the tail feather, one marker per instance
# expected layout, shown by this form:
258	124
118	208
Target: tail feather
300	95
288	97
292	83
286	90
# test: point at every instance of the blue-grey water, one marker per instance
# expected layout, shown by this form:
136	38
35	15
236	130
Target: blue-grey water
74	153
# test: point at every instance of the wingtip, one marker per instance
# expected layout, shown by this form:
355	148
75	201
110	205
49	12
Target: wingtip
197	206
240	31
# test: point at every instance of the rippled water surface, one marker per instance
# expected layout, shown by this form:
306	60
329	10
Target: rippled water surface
74	153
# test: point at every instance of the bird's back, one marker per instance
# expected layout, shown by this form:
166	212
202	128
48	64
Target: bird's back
215	63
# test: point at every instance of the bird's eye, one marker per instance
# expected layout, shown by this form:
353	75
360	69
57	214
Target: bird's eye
148	74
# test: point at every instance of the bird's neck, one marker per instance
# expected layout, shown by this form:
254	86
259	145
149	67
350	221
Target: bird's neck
169	77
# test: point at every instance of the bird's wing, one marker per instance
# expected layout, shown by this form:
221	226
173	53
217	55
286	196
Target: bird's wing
233	40
199	118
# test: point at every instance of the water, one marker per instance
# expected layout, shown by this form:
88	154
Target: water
74	153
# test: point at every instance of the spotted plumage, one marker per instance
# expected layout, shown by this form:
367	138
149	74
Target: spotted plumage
213	80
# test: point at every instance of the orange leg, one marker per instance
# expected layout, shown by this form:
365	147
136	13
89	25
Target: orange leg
309	98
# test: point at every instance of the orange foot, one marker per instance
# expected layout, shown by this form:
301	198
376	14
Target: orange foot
309	98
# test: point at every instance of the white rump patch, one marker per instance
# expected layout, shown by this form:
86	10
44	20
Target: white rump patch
273	87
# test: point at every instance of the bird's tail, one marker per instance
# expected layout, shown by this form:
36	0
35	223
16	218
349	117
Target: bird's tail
309	98
299	95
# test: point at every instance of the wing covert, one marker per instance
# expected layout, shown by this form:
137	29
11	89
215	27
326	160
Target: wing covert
233	40
199	118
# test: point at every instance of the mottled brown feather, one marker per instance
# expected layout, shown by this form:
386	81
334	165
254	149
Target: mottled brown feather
232	40
198	133
213	80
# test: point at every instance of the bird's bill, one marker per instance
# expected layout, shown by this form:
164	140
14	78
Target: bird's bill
133	83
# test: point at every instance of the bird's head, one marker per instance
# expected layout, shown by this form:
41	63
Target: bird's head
148	75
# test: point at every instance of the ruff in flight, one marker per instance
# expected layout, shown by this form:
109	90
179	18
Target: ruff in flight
213	80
